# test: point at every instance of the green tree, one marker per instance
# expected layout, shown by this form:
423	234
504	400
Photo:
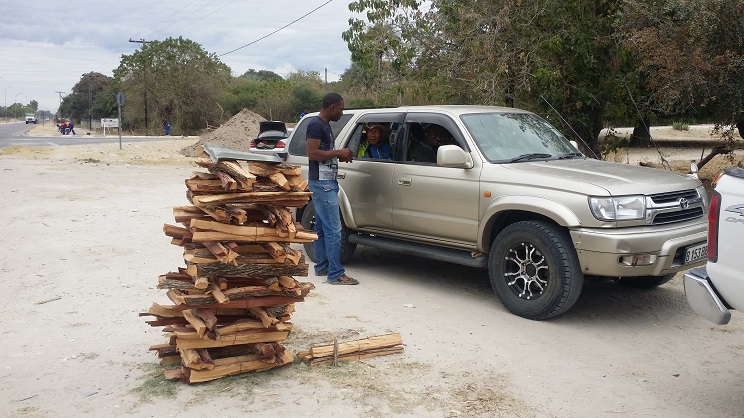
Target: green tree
177	81
83	102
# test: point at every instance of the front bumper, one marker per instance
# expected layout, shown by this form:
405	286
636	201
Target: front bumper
599	250
702	297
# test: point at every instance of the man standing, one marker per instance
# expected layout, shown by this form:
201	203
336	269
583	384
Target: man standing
322	182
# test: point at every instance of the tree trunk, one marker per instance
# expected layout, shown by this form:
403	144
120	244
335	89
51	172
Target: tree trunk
641	135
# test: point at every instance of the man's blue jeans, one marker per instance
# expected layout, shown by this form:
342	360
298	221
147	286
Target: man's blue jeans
328	227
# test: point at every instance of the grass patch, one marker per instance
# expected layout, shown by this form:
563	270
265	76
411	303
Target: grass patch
680	126
90	160
155	386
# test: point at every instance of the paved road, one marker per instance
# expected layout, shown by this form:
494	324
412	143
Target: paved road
19	133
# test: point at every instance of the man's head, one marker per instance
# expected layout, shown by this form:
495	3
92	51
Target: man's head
375	133
436	135
333	107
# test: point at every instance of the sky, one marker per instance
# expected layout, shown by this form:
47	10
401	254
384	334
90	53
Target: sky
46	46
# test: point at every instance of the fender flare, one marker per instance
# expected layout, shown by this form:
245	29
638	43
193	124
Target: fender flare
551	209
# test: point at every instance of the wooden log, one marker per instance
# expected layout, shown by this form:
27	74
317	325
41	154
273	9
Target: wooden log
242	337
249	270
280	180
289	169
311	361
245	303
175	231
193	360
237	365
223	236
252	197
364	344
199	326
164	311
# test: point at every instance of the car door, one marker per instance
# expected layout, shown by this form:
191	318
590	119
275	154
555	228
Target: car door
366	182
432	202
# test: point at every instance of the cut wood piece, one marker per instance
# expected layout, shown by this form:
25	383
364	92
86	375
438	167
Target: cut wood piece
255	232
249	270
289	169
164	283
312	361
243	303
199	326
208	316
280	180
242	337
165	311
244	324
193	360
371	343
171	361
220	296
223	236
237	365
266	318
288	282
175	231
252	197
227	182
262	169
174	374
201	283
235	171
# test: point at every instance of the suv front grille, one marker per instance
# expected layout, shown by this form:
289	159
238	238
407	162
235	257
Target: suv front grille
667	208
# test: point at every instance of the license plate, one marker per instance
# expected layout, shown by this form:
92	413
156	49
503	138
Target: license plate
696	253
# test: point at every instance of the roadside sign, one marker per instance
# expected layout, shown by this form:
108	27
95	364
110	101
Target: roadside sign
120	98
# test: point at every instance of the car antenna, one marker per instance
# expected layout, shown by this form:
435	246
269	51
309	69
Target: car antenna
570	127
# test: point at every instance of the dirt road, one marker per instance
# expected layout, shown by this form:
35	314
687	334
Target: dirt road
84	247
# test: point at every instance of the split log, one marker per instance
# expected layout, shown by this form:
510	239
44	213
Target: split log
371	343
242	337
312	361
245	303
235	365
248	270
252	197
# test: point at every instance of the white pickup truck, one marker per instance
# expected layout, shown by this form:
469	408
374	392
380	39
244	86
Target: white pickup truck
719	286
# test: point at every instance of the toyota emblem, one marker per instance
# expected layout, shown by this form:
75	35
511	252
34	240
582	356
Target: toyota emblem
684	203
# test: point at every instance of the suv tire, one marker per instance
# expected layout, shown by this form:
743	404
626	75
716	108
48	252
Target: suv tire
534	270
308	222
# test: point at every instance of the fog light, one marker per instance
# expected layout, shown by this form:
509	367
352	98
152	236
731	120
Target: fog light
638	260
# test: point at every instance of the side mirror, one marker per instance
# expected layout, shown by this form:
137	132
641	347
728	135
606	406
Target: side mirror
453	156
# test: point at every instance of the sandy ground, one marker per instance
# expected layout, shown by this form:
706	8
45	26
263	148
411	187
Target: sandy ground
84	247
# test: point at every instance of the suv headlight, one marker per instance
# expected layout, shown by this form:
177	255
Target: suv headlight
703	195
618	208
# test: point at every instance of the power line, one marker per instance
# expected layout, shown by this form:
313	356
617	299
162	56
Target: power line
283	27
205	16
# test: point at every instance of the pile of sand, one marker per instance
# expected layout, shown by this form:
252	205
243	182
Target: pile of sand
236	133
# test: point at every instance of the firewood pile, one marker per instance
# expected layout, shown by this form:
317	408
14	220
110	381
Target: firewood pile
232	302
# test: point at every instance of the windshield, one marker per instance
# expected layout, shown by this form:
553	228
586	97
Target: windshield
513	137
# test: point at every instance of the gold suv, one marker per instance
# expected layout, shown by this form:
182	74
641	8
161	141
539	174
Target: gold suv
500	188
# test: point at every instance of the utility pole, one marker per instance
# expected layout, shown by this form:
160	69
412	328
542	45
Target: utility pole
59	110
143	42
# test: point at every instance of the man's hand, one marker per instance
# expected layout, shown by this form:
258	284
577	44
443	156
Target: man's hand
345	155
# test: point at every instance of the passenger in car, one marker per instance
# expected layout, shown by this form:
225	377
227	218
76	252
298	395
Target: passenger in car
377	144
426	151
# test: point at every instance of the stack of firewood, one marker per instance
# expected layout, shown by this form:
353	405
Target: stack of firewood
232	302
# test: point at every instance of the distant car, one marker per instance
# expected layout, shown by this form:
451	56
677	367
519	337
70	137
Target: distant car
272	135
30	119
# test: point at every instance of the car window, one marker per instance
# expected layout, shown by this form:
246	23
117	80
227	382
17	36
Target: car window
424	138
373	147
297	145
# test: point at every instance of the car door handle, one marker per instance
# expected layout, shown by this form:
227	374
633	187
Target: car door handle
341	175
404	181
